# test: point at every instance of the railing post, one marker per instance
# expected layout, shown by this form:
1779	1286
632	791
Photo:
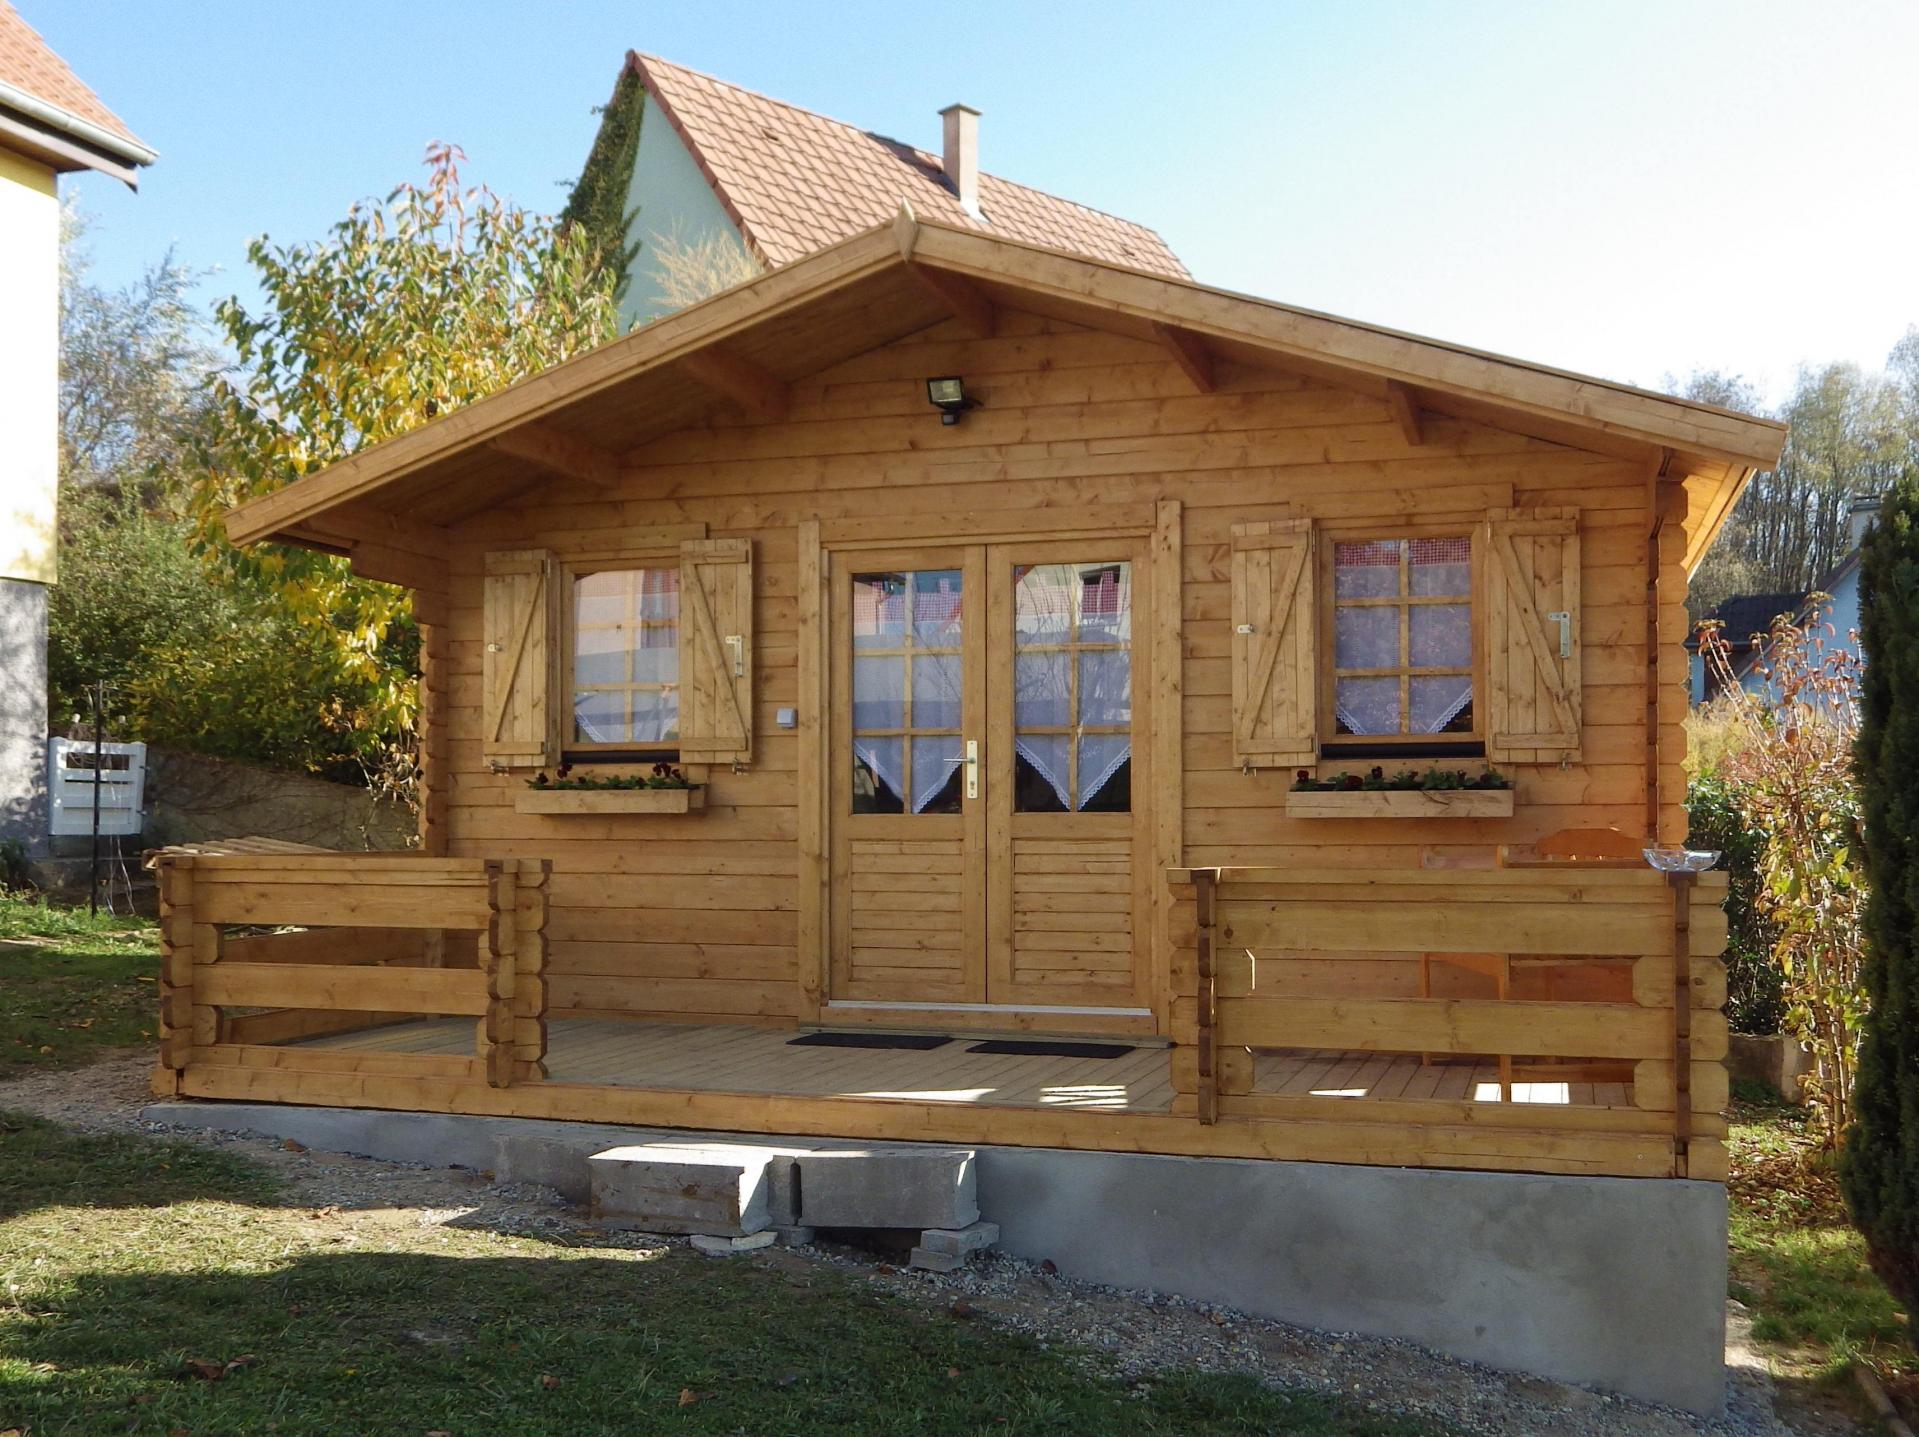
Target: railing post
496	1035
1682	885
176	971
1206	894
529	1000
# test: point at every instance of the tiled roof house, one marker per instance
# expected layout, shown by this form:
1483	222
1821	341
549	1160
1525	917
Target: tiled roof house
782	182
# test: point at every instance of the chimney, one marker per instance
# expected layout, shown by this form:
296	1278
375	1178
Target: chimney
1859	518
961	156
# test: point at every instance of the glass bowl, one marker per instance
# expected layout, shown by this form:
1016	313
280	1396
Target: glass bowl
1682	860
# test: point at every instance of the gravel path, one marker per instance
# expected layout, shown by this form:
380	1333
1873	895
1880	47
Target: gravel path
1143	1333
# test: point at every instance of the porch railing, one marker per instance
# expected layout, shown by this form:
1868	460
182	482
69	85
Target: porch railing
364	940
1563	974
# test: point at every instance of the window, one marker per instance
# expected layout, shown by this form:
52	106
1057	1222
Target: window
1073	688
907	659
625	647
1402	638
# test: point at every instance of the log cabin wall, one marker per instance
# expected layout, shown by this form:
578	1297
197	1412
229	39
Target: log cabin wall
699	915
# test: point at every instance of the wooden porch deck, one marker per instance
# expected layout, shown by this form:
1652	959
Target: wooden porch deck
683	1057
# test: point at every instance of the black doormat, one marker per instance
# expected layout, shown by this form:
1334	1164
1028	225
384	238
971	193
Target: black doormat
915	1041
1034	1048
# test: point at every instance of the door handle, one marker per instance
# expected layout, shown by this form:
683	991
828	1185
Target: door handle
972	768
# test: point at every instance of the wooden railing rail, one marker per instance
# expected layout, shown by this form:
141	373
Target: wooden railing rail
1635	951
377	938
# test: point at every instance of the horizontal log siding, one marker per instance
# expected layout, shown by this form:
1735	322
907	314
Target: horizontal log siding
696	915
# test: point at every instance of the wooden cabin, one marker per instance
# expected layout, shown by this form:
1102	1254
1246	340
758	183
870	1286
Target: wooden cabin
994	604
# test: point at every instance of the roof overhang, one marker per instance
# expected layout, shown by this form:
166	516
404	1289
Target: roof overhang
583	418
65	141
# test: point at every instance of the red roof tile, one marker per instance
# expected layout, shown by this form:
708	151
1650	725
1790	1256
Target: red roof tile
28	63
796	182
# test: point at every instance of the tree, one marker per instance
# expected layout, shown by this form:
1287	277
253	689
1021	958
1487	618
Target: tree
597	205
411	308
686	271
1879	1167
133	366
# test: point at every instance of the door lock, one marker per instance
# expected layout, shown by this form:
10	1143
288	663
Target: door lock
972	768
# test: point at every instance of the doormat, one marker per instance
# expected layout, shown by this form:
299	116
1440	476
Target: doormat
1033	1048
915	1041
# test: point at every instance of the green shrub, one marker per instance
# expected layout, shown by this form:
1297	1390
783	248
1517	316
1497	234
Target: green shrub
1755	999
1879	1165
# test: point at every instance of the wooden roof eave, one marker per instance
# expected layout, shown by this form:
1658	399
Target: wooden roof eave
1431	365
532	399
1561	405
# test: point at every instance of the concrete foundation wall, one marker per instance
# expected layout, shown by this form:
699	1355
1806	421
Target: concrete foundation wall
23	713
1613	1282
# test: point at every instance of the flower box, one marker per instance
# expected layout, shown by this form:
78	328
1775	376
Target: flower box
1401	803
609	800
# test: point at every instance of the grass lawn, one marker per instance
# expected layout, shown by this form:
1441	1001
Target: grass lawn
132	1271
1797	1262
73	984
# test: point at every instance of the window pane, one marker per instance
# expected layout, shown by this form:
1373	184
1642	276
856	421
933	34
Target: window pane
1042	696
600	718
1366	638
1367	571
1040	773
1106	687
879	610
1367	705
936	769
936	691
1043	603
878	784
879	693
936	608
1442	636
1442	568
1442	705
1105	773
656	715
1106	603
601	598
599	657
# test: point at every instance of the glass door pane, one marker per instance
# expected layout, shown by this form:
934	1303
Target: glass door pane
1072	688
907	635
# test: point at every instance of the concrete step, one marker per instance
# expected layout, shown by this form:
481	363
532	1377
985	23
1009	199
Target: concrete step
897	1187
714	1191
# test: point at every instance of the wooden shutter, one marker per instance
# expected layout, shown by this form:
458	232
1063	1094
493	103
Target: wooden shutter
1275	644
716	650
1534	694
522	698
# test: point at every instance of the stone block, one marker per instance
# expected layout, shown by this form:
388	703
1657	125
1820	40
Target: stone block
889	1187
793	1236
731	1246
719	1190
928	1261
960	1241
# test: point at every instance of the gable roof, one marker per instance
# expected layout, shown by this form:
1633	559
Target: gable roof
747	343
795	182
47	111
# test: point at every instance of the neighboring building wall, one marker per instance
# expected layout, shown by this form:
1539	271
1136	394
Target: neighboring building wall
29	463
670	198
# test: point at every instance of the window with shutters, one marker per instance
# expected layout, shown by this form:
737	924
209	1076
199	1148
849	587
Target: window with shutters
1400	656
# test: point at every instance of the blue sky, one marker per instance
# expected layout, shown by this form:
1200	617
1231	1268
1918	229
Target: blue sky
1627	189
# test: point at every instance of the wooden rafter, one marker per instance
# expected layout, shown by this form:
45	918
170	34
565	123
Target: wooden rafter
559	453
1404	405
740	380
1190	353
962	298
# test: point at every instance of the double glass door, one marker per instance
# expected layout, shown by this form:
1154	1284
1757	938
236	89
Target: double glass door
986	780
